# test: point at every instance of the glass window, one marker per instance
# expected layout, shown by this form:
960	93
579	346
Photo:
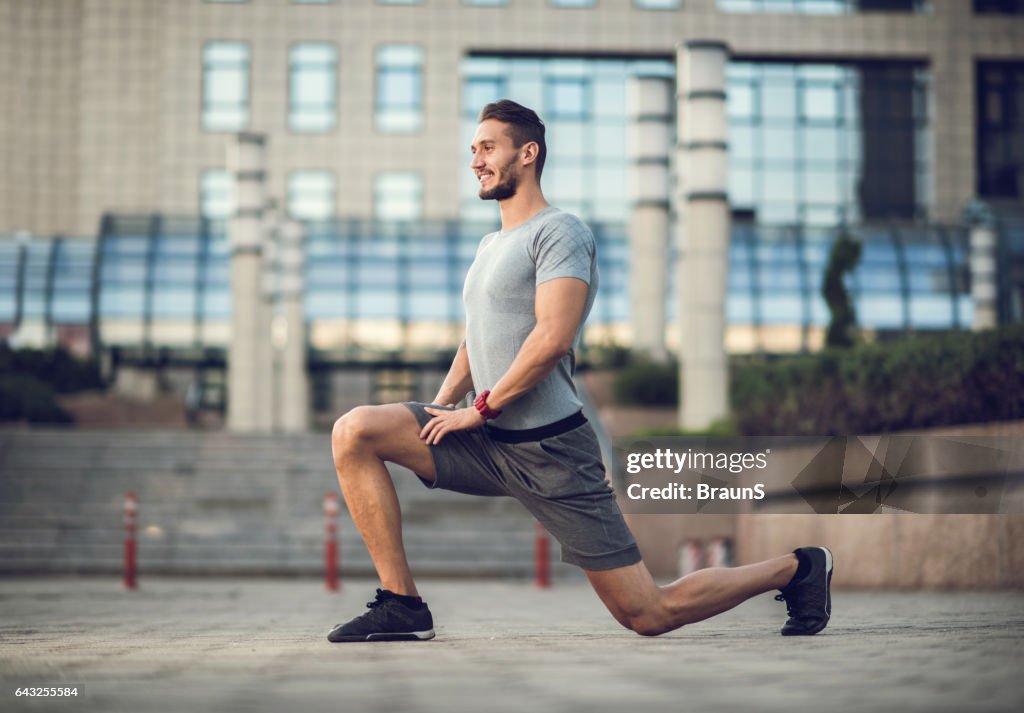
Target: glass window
571	3
399	2
814	142
399	88
582	103
568	98
313	87
398	195
1000	102
216	194
485	3
657	4
823	7
313	2
311	195
225	86
1005	7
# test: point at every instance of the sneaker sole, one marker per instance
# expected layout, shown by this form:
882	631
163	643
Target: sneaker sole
828	583
405	636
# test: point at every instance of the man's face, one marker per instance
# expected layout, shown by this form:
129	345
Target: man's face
495	161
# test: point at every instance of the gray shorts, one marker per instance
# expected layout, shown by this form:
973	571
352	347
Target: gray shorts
560	480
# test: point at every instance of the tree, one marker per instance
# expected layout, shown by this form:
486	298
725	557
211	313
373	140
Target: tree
842	259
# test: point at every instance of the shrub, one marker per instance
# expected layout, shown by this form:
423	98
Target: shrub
648	383
919	382
722	428
23	398
56	367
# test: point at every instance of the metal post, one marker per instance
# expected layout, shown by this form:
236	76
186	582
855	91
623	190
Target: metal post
331	542
130	548
542	559
691	558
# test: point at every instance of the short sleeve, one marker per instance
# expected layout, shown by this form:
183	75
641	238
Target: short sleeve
564	248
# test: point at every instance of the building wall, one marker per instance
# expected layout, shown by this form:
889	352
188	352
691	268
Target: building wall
40	47
100	99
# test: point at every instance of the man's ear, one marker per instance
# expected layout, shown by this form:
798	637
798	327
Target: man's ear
529	152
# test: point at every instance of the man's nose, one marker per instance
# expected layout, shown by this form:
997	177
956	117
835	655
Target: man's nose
476	161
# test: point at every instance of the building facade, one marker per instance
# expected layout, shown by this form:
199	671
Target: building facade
125	105
840	112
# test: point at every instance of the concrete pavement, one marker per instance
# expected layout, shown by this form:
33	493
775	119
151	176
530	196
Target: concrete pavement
258	645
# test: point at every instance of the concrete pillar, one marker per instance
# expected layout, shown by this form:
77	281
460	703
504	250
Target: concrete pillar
246	159
294	381
703	206
649	107
984	266
267	405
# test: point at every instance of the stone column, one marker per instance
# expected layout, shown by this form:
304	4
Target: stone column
267	405
246	159
703	206
984	266
294	381
649	107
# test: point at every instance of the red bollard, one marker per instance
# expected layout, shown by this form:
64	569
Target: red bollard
716	553
692	557
542	560
331	542
130	514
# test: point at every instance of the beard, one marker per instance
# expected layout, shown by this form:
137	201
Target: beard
506	188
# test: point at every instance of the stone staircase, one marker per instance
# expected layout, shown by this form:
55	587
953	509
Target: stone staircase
218	503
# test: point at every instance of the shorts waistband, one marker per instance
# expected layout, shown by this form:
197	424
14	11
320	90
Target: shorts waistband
539	433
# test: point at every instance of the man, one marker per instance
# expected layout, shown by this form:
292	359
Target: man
527	295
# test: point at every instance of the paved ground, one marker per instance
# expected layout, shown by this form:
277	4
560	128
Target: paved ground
258	645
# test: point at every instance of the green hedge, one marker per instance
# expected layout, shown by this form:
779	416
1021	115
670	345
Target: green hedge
56	367
647	384
30	380
918	382
24	398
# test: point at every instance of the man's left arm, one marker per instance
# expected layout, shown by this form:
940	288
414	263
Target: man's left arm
558	308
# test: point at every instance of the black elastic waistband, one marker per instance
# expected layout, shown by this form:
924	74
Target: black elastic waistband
539	433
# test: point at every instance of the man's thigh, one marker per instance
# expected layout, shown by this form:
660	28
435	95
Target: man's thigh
394	435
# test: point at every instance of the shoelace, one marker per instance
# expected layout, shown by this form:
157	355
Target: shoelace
782	598
378	601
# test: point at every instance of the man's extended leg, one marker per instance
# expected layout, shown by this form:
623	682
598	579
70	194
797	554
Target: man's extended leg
362	440
634	599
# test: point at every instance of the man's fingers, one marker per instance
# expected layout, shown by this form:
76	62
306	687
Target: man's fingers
429	428
429	431
437	429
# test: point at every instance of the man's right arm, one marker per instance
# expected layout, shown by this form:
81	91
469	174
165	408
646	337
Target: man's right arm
459	380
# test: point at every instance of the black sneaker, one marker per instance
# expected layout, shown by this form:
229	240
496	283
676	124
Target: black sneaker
388	620
809	601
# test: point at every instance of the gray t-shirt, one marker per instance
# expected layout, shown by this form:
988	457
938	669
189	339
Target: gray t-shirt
499	299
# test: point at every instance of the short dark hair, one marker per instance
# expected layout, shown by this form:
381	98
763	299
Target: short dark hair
524	126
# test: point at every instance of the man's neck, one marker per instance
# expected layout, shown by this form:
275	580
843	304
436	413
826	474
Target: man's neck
521	207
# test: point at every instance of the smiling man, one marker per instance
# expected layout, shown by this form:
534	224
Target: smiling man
527	296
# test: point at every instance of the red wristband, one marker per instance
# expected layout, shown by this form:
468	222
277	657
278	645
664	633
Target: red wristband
481	406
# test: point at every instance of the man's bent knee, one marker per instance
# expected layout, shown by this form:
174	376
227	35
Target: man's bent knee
646	625
353	430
